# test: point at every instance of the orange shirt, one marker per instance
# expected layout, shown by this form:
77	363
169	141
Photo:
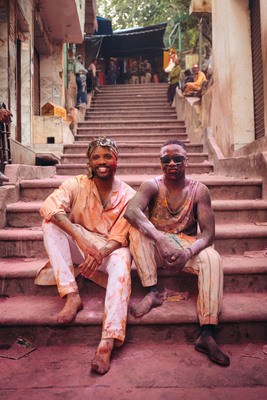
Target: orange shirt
199	78
80	195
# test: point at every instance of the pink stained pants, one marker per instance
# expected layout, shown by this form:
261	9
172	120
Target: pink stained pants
206	264
63	253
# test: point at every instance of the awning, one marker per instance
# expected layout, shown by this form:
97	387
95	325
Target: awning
104	26
129	42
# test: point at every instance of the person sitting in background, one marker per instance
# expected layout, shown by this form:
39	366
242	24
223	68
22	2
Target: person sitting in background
188	78
199	78
174	77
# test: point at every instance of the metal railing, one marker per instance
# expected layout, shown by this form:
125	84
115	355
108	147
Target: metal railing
5	151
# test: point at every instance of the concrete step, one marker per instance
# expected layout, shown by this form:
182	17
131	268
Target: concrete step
242	273
130	97
229	239
221	187
26	214
243	317
130	148
135	168
131	122
131	158
145	134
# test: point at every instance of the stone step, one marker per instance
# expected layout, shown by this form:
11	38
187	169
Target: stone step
129	108
236	238
26	214
221	187
131	123
131	97
131	158
241	274
133	148
135	168
150	115
148	134
243	317
159	103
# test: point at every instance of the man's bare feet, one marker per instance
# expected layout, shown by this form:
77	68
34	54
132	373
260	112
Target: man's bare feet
72	306
101	361
151	300
207	345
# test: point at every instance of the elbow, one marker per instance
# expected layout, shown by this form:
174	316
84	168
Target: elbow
129	215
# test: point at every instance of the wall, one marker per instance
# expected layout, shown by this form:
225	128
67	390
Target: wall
263	7
232	119
51	77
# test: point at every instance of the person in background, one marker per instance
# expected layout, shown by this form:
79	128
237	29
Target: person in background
94	77
174	77
199	78
81	75
148	70
135	73
188	78
112	72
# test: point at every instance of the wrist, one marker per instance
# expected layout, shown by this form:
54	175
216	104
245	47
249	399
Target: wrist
190	252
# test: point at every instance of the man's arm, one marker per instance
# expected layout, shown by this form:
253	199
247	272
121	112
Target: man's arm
205	218
89	249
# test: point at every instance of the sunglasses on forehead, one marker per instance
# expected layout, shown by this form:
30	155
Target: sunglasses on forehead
165	160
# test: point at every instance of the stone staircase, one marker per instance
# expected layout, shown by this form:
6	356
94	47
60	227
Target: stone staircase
139	120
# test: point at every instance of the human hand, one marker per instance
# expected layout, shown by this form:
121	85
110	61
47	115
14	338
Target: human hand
92	257
179	259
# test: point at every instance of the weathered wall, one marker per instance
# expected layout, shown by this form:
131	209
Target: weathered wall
232	118
263	7
51	77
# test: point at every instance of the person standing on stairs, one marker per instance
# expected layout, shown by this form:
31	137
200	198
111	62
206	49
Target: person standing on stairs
168	238
94	237
174	77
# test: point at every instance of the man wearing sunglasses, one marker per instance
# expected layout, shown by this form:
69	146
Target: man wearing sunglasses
168	238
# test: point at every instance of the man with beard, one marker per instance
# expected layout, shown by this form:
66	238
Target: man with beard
94	237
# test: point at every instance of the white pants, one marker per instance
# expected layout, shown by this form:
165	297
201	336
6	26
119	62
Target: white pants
63	253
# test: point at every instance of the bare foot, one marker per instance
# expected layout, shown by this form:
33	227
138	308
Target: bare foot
151	300
72	306
101	361
207	345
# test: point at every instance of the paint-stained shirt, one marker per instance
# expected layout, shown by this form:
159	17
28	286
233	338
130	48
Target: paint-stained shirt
180	221
80	196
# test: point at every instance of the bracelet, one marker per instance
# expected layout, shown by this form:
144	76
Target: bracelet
191	253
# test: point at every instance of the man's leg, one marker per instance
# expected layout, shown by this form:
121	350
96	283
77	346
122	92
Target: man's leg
63	253
207	265
144	255
118	267
58	249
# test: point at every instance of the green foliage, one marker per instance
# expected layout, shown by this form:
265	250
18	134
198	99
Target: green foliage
140	13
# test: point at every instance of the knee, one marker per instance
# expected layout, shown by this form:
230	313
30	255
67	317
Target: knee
210	258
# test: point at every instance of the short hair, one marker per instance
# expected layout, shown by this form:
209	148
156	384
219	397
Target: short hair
187	72
174	141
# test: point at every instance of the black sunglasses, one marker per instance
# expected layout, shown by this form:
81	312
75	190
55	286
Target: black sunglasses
165	160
